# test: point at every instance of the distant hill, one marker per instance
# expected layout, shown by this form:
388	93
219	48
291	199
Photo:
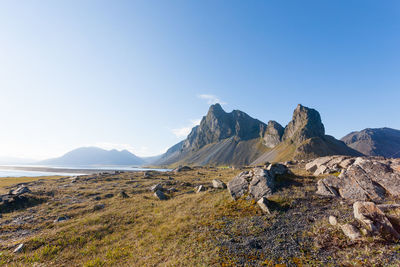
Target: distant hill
235	138
375	142
95	156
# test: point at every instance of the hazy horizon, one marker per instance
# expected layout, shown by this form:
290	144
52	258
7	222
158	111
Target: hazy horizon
138	75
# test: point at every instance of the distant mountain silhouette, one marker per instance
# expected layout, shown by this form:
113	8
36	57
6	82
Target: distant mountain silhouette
95	156
375	142
235	138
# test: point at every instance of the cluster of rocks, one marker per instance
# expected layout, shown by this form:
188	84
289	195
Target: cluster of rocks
367	182
361	178
258	183
15	198
373	222
159	189
329	164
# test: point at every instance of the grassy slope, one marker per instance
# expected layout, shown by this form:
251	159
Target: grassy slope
189	229
7	181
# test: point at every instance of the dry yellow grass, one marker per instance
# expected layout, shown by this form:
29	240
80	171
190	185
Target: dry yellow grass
8	181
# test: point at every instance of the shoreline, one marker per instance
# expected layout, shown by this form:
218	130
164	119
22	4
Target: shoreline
80	171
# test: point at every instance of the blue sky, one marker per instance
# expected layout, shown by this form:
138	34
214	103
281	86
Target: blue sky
139	74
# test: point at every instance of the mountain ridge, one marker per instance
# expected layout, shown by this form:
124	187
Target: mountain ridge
95	156
235	138
375	141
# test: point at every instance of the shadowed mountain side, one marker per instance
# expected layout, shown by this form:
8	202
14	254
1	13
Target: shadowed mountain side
235	138
375	142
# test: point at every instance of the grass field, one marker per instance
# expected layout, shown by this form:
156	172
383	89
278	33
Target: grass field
188	229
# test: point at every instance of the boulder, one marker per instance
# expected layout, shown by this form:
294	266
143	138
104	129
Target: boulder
20	190
217	183
182	168
374	219
321	170
257	183
239	185
262	183
365	179
156	187
277	168
351	231
160	195
263	204
325	188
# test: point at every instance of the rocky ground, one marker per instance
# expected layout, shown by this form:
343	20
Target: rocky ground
207	216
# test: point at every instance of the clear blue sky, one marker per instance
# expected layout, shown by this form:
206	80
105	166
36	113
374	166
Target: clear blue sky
131	73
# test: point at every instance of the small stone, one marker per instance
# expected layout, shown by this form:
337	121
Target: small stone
351	231
156	187
60	219
217	183
123	194
19	248
200	188
172	189
332	220
160	195
108	195
97	198
263	204
98	207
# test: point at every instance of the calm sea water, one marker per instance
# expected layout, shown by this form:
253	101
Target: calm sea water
21	173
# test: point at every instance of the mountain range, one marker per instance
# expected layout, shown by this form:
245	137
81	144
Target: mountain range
235	138
375	142
85	156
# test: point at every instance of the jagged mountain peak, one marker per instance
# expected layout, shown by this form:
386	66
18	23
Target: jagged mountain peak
306	123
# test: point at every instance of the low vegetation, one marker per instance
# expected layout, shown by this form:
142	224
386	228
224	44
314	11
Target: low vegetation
188	229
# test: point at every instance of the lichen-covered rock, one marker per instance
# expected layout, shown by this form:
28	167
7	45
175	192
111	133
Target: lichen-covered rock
263	204
365	179
257	183
239	185
351	231
262	184
218	184
374	219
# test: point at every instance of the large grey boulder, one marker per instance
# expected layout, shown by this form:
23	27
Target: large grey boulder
257	183
239	185
277	169
160	195
262	183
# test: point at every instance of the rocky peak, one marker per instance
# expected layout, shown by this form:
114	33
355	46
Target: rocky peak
218	125
273	134
306	123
